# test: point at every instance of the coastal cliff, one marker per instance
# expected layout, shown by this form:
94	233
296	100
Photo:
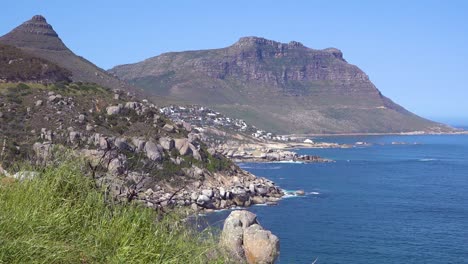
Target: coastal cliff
285	88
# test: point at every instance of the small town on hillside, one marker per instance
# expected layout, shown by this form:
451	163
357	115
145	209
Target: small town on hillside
201	116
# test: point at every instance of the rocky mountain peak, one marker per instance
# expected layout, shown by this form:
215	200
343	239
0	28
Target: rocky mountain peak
252	41
35	33
37	25
39	18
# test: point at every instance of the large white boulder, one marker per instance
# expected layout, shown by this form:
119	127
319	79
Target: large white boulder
246	240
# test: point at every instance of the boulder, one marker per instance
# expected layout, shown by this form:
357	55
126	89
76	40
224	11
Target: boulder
114	110
260	246
168	128
258	200
208	193
241	199
252	188
167	143
52	98
273	156
104	142
197	172
246	240
139	144
203	199
121	143
183	146
261	190
239	190
222	193
131	105
152	151
117	165
74	137
232	235
196	155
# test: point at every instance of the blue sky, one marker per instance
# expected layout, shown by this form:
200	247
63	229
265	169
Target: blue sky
415	52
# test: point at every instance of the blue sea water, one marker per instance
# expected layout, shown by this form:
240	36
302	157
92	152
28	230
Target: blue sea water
383	203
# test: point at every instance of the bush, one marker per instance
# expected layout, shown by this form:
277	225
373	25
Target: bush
60	217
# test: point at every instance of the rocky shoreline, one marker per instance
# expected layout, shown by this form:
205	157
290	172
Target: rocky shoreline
262	155
218	191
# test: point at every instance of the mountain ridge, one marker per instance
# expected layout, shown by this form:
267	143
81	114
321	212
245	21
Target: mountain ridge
284	87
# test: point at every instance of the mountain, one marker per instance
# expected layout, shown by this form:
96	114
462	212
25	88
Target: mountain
285	88
37	38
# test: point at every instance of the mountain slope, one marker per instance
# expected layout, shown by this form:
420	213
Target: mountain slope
18	66
39	39
287	88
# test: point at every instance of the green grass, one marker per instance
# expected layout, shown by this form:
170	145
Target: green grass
60	217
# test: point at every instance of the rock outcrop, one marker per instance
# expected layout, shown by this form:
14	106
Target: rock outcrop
269	155
245	239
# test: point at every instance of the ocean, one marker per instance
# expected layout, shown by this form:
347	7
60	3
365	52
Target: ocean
400	199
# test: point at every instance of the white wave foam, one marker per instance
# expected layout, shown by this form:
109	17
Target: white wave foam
292	194
221	210
237	208
425	160
291	161
286	161
261	167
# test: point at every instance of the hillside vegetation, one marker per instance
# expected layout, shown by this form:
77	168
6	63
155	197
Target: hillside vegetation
18	66
60	217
